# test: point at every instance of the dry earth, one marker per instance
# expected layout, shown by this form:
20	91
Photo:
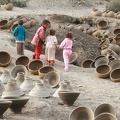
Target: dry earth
93	90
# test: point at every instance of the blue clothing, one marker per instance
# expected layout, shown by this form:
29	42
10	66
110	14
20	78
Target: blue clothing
19	33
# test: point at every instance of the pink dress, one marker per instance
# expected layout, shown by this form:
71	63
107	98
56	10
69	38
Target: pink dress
66	45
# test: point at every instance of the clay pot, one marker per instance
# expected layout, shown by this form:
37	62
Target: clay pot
104	43
4	105
81	113
9	6
17	103
97	13
117	41
44	70
92	65
114	47
105	108
63	87
101	61
106	116
39	91
27	85
118	35
115	75
81	28
112	40
96	33
103	71
102	24
53	78
89	31
3	24
10	22
32	23
111	14
1	88
22	60
111	54
68	98
5	77
27	25
12	90
5	59
86	63
115	64
13	26
98	57
20	78
34	66
18	68
73	58
100	37
104	14
104	51
116	31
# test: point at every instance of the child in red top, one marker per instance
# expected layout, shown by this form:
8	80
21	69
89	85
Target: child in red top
39	38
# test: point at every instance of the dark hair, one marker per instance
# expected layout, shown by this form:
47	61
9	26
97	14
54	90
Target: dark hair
68	35
20	22
45	21
52	32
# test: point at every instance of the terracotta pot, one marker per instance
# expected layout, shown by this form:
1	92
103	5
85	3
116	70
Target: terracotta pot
114	47
111	53
32	23
101	61
105	108
81	113
44	70
115	64
117	40
104	14
68	98
22	60
3	24
12	90
27	85
11	21
34	66
5	59
89	31
18	68
5	77
98	57
116	31
63	87
39	91
73	58
17	103
53	78
96	33
81	28
13	26
106	116
104	43
115	75
86	63
9	6
97	13
102	24
104	51
111	14
103	71
4	105
20	78
27	25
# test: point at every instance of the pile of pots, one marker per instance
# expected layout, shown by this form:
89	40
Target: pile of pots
102	112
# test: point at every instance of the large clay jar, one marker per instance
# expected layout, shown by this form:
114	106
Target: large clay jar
86	63
44	70
81	113
3	24
9	6
5	77
4	105
27	85
103	71
81	28
114	64
106	116
15	24
114	47
18	68
104	14
12	90
115	75
53	78
1	88
34	66
102	24
73	58
17	103
10	22
39	91
68	98
22	60
20	78
101	61
63	87
111	14
32	22
96	13
5	59
105	108
27	25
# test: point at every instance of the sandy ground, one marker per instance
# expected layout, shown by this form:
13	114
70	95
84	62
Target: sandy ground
93	90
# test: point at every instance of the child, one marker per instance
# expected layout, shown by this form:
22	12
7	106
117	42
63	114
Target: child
66	45
20	36
39	38
51	42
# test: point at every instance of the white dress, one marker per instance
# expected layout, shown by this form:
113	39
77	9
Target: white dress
50	49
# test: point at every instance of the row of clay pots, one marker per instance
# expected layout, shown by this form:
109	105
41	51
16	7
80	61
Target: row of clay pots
102	112
8	6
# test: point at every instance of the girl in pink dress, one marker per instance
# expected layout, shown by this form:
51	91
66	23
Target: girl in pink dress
66	45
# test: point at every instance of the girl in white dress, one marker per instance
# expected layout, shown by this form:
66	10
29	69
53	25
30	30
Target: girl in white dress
51	43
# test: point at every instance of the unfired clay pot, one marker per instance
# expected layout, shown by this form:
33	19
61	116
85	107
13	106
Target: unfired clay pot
86	63
27	25
81	113
3	24
114	47
9	6
32	22
102	24
116	31
73	58
115	64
